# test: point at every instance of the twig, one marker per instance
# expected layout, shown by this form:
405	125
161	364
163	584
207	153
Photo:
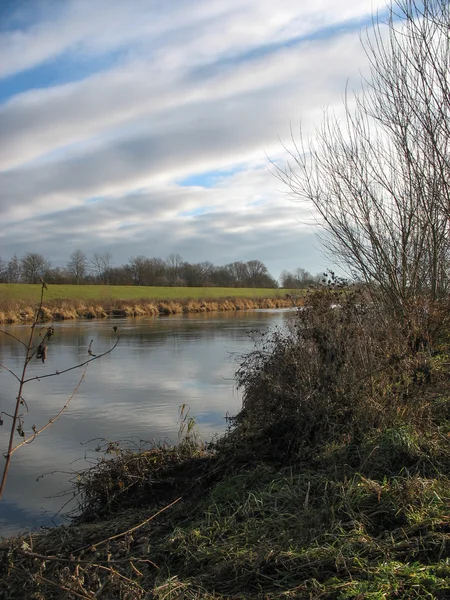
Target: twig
40	351
114	572
14	337
82	364
53	558
9	371
114	537
31	439
59	586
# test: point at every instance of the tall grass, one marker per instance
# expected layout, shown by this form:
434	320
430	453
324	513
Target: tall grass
91	301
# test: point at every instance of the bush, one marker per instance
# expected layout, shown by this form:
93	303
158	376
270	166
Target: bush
343	368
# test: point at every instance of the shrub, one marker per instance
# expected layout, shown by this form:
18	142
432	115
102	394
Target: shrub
342	368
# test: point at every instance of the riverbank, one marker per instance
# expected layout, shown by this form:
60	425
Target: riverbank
18	302
333	481
238	522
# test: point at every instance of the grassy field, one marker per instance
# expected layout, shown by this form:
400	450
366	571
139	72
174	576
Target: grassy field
25	292
18	301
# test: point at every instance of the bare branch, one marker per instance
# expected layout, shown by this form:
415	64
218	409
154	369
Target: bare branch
36	432
13	336
82	364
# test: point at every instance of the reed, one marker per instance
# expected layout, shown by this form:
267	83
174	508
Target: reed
64	309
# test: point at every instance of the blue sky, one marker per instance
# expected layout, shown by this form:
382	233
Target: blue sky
167	114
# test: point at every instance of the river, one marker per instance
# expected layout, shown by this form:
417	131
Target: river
132	394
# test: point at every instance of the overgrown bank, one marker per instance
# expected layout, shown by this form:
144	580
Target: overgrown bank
81	302
333	482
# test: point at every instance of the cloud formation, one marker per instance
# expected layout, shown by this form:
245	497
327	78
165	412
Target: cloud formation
147	127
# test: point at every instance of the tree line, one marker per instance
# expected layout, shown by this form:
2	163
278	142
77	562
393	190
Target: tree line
141	270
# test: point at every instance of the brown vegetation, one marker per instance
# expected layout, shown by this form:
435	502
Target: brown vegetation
333	481
65	309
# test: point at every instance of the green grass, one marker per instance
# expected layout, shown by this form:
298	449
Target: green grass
249	531
30	292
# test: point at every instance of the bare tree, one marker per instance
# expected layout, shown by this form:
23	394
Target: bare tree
299	278
239	273
380	181
138	267
174	263
33	267
2	271
13	270
78	265
101	265
258	275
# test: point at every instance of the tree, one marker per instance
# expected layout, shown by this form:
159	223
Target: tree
101	265
380	181
2	271
138	268
13	270
299	278
258	275
174	264
197	274
33	267
77	266
238	272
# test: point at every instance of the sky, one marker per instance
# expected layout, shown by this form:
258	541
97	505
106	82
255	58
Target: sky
150	127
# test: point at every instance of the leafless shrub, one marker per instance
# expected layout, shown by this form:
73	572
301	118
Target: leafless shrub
343	368
379	179
37	350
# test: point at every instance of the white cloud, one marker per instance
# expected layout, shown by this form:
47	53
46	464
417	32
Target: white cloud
192	88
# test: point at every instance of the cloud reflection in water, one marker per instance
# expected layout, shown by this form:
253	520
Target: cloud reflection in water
136	391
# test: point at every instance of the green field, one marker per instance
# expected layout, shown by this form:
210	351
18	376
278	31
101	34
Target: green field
29	293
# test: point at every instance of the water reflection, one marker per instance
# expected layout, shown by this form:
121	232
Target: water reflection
159	364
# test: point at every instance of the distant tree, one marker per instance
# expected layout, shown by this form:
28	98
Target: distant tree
13	270
2	271
119	276
221	277
197	274
238	271
56	275
258	275
101	265
33	267
138	268
207	268
157	272
174	264
191	274
299	278
77	266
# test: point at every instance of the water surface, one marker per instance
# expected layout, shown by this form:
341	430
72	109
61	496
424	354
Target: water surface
133	393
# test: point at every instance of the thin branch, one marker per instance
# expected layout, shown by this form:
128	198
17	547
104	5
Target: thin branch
14	337
86	362
9	371
119	535
62	587
73	560
31	439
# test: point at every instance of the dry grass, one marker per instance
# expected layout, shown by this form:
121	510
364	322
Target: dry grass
333	483
239	528
67	309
